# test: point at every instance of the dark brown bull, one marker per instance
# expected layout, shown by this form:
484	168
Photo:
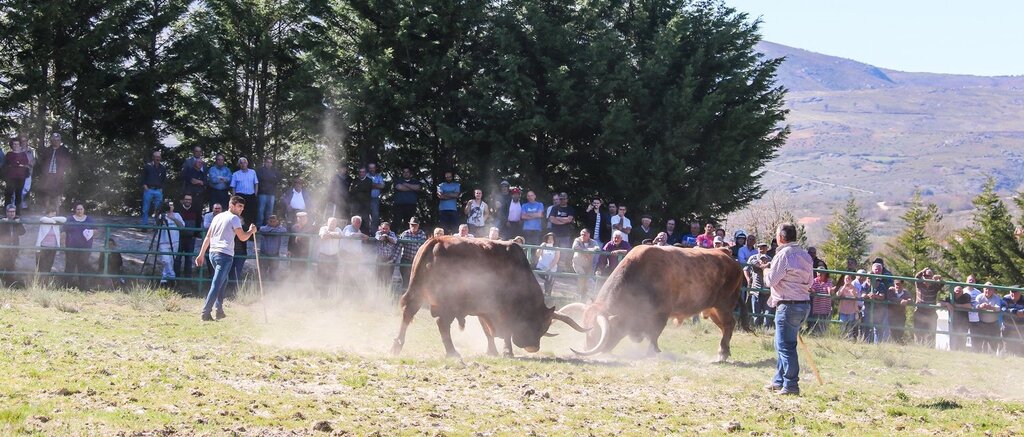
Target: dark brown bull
459	277
655	283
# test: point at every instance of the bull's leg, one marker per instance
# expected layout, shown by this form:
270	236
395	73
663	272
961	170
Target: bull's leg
444	325
655	328
507	352
726	322
409	311
616	332
489	332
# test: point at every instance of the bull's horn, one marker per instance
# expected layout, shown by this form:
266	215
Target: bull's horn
602	322
568	321
574	310
548	334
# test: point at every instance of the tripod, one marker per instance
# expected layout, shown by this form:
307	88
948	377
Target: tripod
154	245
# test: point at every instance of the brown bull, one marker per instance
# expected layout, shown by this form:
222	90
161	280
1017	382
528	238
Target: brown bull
459	277
655	283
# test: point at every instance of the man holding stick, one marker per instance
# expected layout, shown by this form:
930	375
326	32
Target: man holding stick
789	276
220	241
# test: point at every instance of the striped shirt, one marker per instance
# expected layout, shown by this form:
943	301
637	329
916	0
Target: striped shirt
790	275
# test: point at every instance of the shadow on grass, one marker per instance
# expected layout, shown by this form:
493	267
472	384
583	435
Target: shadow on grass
765	363
573	360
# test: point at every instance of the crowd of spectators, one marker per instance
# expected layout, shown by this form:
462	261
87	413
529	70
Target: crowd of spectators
864	307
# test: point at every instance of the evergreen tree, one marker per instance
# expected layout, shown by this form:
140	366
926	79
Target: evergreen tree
915	248
848	236
988	248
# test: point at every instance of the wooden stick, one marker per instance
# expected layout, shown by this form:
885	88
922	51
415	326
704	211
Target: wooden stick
259	277
810	359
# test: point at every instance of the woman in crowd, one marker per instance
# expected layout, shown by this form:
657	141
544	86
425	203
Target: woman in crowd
48	240
547	262
78	231
16	169
477	213
821	304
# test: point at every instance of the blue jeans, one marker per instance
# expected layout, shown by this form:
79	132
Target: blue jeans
151	198
788	319
221	264
267	202
374	219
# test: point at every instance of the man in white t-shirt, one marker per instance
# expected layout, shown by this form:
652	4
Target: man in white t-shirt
220	241
351	244
620	222
329	247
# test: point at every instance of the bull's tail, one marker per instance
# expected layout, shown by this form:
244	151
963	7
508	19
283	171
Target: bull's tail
462	322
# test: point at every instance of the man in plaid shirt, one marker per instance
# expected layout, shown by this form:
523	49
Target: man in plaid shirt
387	252
410	242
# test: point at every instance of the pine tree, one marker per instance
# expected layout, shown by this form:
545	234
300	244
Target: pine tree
988	248
848	236
915	248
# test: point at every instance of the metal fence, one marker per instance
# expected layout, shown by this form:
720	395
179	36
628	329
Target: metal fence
1011	324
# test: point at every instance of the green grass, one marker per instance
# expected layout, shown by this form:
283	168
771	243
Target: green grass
126	363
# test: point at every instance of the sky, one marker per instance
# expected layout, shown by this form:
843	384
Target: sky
981	37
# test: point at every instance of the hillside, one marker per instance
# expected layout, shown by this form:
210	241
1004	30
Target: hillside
879	134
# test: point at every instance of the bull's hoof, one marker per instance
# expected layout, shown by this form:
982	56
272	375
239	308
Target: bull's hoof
492	353
453	354
507	353
722	359
396	347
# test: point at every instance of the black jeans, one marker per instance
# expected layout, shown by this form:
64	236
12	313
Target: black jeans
402	213
44	260
13	192
75	264
183	263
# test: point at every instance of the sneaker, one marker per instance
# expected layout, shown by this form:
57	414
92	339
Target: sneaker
772	387
220	314
789	392
206	317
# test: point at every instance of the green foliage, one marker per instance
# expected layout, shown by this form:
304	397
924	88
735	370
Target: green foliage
988	248
915	247
848	236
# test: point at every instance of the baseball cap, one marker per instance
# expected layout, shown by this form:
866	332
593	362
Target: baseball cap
517	190
762	244
504	183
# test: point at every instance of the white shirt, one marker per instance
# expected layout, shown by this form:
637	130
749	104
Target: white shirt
515	211
222	233
626	224
172	222
297	203
350	245
329	246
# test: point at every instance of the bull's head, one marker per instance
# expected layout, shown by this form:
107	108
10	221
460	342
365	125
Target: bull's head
527	335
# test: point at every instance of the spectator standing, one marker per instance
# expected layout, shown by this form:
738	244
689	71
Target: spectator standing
169	240
218	180
410	241
597	222
547	262
208	217
755	277
112	265
583	262
789	277
190	162
48	239
818	262
959	305
378	185
352	238
878	324
78	231
707	239
296	200
270	181
359	193
739	240
407	196
192	216
477	213
328	250
863	285
617	248
973	319
690	239
821	304
11	230
338	192
225	228
547	212
31	153
988	304
533	218
925	318
898	298
54	165
621	223
193	180
673	237
646	231
271	243
16	166
749	249
387	254
246	184
849	312
298	244
561	219
513	218
448	193
1013	320
154	176
499	204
